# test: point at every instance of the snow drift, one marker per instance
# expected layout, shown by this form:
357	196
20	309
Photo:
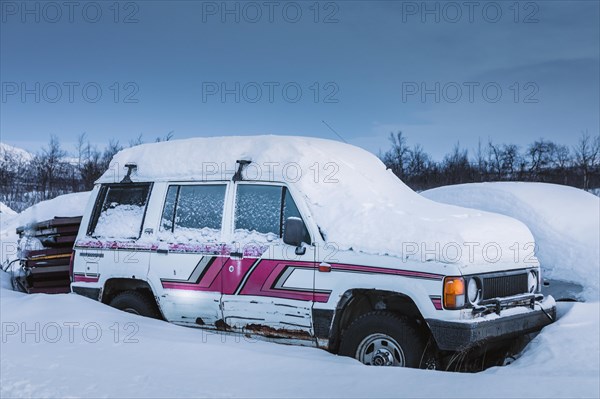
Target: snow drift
5	210
565	223
63	205
357	203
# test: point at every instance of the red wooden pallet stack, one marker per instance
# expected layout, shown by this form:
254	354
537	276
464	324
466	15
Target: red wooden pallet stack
46	269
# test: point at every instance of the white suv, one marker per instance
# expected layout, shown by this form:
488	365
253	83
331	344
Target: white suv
333	251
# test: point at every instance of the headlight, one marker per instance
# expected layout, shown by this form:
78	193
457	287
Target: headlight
473	290
532	282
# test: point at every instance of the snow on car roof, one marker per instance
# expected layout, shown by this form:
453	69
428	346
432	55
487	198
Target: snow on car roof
356	202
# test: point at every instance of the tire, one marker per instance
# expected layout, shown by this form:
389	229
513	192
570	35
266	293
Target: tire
137	303
383	338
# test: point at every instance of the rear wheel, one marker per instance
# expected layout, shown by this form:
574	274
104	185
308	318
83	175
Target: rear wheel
383	338
137	303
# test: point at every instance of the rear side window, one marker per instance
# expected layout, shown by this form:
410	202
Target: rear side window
119	211
193	213
261	211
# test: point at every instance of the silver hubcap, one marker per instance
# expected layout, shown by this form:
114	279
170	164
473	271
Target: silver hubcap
380	350
131	310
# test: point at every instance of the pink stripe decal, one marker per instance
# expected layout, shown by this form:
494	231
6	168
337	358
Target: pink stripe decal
264	277
250	250
81	278
226	274
210	282
437	302
232	279
383	270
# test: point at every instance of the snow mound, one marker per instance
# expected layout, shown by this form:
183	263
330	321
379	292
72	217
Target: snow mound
358	204
5	210
63	205
565	222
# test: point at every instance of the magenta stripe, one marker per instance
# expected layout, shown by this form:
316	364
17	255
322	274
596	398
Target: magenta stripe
383	270
80	278
437	303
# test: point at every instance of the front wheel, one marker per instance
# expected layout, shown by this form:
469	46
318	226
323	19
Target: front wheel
382	338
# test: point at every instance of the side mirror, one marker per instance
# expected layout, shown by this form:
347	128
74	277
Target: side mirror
294	231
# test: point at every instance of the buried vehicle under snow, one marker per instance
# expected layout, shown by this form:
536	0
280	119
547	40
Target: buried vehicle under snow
306	241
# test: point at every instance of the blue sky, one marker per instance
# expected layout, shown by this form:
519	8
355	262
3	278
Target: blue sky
440	72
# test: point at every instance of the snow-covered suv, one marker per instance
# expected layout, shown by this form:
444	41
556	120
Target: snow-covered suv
306	241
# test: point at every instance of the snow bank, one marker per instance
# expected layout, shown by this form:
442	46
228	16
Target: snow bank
5	210
63	205
86	349
565	222
356	202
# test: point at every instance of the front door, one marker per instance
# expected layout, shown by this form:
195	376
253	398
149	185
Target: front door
188	260
267	287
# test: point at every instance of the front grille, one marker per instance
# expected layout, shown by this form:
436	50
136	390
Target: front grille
502	286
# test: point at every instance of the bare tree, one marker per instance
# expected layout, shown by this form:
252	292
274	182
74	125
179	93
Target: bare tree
494	153
80	147
396	158
540	155
586	156
456	166
480	162
92	168
167	137
137	141
48	164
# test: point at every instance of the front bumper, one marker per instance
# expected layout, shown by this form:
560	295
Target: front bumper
463	335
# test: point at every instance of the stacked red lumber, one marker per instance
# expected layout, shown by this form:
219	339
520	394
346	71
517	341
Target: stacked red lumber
46	268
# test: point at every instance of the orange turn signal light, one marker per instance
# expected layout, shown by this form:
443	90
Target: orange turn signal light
454	292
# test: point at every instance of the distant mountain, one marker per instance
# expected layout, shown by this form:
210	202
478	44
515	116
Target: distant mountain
14	153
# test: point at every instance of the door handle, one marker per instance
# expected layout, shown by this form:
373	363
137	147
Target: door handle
162	251
237	255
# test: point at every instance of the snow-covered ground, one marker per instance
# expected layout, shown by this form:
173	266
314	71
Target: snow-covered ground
85	349
564	221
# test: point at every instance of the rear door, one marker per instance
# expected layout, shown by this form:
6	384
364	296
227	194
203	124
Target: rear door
267	287
186	264
111	246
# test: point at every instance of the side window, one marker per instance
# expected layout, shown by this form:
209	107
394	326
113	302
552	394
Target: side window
119	211
260	212
193	213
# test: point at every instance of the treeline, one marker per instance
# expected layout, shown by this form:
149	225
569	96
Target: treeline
541	161
25	181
